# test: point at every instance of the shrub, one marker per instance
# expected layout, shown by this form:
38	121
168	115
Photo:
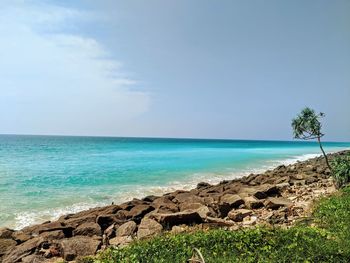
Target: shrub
341	170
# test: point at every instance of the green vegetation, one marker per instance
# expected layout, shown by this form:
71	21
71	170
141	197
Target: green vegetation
307	126
327	242
341	170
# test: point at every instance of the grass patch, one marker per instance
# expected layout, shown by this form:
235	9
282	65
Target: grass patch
329	242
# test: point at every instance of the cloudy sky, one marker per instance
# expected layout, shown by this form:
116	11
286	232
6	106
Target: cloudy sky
206	69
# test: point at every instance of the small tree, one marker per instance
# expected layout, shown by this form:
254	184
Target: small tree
307	126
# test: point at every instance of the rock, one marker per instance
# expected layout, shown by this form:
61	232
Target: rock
178	229
252	203
187	198
33	259
227	202
76	221
298	176
282	186
311	180
21	237
126	229
79	246
120	241
260	192
22	250
6	245
150	198
52	235
179	218
232	200
202	185
201	209
237	215
138	211
148	227
106	220
275	203
249	220
110	231
88	229
219	221
6	232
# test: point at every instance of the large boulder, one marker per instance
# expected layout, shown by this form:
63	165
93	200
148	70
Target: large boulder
6	232
126	229
275	203
106	220
238	215
252	203
52	235
186	217
148	227
79	246
88	229
22	250
138	211
6	245
201	209
188	198
120	241
227	203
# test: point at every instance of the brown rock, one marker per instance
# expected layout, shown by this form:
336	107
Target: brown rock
252	203
187	197
120	241
79	246
232	200
179	218
148	227
126	229
21	237
6	245
52	235
88	229
6	232
76	221
275	203
22	250
237	215
106	220
138	211
201	209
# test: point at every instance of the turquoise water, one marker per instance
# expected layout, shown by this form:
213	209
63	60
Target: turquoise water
42	177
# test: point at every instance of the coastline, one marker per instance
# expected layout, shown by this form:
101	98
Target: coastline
26	219
279	197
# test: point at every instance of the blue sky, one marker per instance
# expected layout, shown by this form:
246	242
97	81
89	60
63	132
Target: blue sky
207	69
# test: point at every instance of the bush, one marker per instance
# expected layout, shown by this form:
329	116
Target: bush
341	170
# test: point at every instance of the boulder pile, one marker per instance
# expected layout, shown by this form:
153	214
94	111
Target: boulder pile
280	196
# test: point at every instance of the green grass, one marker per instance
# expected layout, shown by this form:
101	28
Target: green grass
328	242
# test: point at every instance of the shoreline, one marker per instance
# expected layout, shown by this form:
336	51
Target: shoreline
276	197
26	219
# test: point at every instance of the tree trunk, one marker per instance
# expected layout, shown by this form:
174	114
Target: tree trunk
324	154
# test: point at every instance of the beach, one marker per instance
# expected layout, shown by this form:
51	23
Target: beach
280	196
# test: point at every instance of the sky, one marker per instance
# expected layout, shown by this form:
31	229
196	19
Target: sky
176	68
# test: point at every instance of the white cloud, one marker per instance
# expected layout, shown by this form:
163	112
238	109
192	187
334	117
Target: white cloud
55	82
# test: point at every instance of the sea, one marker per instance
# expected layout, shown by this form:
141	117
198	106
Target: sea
44	177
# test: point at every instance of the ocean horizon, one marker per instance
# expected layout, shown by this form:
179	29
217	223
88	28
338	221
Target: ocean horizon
43	177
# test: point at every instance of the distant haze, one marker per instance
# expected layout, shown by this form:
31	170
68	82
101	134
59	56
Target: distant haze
200	69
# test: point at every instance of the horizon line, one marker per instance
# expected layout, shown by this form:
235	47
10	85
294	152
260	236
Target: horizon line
165	137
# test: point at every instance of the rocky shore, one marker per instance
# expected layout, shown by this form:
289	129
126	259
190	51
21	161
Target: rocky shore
276	197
